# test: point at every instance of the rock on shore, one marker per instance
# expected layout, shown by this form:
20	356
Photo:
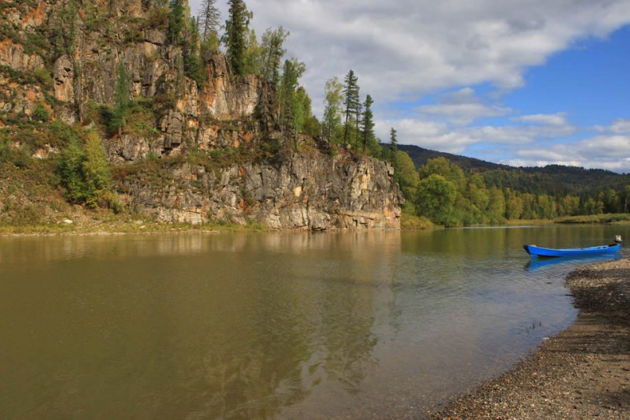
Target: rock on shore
582	373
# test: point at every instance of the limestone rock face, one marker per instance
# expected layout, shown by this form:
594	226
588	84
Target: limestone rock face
338	192
69	63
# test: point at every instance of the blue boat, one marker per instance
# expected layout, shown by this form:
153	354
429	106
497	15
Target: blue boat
536	251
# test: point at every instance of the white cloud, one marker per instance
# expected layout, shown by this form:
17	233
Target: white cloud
405	49
608	152
558	119
411	47
620	126
463	107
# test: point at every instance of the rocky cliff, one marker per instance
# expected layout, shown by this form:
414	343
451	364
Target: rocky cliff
61	59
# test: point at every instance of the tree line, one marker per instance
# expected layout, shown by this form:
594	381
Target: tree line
447	195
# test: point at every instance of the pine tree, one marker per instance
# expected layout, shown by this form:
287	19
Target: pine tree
236	31
367	122
208	19
352	103
117	118
176	21
393	140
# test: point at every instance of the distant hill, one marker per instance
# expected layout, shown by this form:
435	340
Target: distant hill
548	179
420	156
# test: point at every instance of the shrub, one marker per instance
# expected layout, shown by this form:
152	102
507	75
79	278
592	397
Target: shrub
40	113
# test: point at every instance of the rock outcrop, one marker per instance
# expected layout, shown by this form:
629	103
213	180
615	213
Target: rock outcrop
66	56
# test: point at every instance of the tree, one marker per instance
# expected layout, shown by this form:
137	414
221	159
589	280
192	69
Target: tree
367	123
208	19
236	32
70	169
406	174
352	104
193	64
446	168
272	53
176	21
95	170
84	170
435	199
332	110
289	104
117	119
393	140
496	206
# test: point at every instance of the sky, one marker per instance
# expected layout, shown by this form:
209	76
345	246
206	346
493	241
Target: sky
520	82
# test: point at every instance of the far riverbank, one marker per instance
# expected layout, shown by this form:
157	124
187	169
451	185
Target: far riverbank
583	372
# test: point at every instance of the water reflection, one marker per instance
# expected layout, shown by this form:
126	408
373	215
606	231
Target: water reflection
269	325
538	263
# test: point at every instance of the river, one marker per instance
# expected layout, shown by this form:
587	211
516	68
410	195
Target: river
272	325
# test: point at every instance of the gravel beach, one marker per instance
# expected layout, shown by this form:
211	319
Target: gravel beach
581	373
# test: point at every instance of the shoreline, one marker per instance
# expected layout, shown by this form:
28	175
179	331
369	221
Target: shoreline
130	227
582	372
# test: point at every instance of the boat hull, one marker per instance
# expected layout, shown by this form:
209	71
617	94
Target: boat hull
536	251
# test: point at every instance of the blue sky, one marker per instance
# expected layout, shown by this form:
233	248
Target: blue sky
523	82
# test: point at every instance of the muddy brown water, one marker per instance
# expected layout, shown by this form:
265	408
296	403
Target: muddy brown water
273	325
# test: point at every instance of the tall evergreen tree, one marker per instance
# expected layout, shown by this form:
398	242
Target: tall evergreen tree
208	19
117	118
367	123
236	33
352	103
393	140
176	21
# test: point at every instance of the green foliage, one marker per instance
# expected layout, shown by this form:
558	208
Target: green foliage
236	32
40	113
176	22
331	125
272	52
367	124
84	171
294	105
435	199
405	174
193	64
352	108
115	118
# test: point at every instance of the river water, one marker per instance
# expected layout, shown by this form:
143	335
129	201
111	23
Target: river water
273	325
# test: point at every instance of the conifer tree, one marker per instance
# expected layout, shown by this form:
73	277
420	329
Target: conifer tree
176	21
367	123
118	117
236	32
208	19
393	140
351	103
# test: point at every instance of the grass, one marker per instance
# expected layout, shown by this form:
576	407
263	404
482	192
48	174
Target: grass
616	218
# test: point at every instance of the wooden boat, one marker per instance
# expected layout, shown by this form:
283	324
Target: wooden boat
536	251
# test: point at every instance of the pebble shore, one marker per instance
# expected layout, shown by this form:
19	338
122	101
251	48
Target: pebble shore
581	373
